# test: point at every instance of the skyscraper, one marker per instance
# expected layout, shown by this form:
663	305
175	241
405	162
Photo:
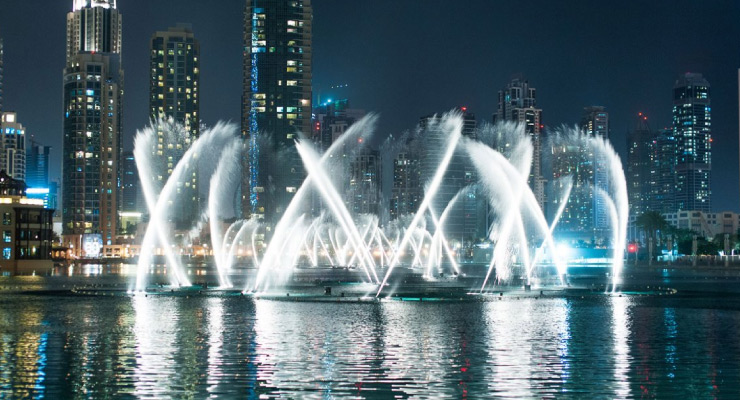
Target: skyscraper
37	165
13	157
130	184
518	103
93	94
462	222
641	166
276	102
585	214
2	70
595	123
692	128
174	86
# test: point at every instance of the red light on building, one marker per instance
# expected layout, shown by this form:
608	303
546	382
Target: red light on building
464	109
632	248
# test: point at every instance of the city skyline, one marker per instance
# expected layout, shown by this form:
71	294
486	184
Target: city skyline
466	68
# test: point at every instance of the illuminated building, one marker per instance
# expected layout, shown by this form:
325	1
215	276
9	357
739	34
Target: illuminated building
692	128
174	93
13	146
26	228
462	224
518	103
407	191
2	70
585	216
93	94
276	103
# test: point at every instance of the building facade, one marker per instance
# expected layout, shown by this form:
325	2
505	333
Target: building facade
13	157
276	103
93	95
174	87
585	215
27	231
692	129
518	103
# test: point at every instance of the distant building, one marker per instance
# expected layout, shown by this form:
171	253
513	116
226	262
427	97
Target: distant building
2	71
585	215
518	103
363	194
93	123
37	165
707	225
692	129
13	157
174	87
463	221
276	103
407	188
641	167
27	230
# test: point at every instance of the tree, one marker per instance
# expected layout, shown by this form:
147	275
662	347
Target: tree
651	223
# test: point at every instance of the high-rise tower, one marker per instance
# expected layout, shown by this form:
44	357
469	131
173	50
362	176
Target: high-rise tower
692	129
276	102
13	156
518	103
174	88
2	70
93	93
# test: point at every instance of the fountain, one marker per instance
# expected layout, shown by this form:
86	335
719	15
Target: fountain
523	240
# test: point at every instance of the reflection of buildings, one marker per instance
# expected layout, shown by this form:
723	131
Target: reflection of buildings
26	230
276	103
173	93
93	95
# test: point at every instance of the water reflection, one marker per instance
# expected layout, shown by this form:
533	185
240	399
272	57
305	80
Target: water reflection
233	346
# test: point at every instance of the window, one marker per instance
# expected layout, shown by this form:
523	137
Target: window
6	218
7	237
6	253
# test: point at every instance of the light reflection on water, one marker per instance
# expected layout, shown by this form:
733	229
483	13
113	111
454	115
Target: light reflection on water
208	347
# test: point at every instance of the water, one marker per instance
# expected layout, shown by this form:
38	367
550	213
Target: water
227	346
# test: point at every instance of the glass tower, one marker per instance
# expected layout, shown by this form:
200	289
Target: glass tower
692	129
93	93
276	103
173	94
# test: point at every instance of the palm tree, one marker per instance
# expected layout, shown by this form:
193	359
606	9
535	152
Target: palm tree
651	222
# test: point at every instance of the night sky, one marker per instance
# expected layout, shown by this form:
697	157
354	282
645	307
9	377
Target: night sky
408	58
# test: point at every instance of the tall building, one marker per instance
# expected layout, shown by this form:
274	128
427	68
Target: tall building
595	123
363	194
641	166
13	157
93	95
130	191
585	215
407	190
2	72
173	94
462	221
518	102
276	103
37	165
692	128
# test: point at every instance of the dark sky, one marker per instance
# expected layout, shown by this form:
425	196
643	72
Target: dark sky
408	58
